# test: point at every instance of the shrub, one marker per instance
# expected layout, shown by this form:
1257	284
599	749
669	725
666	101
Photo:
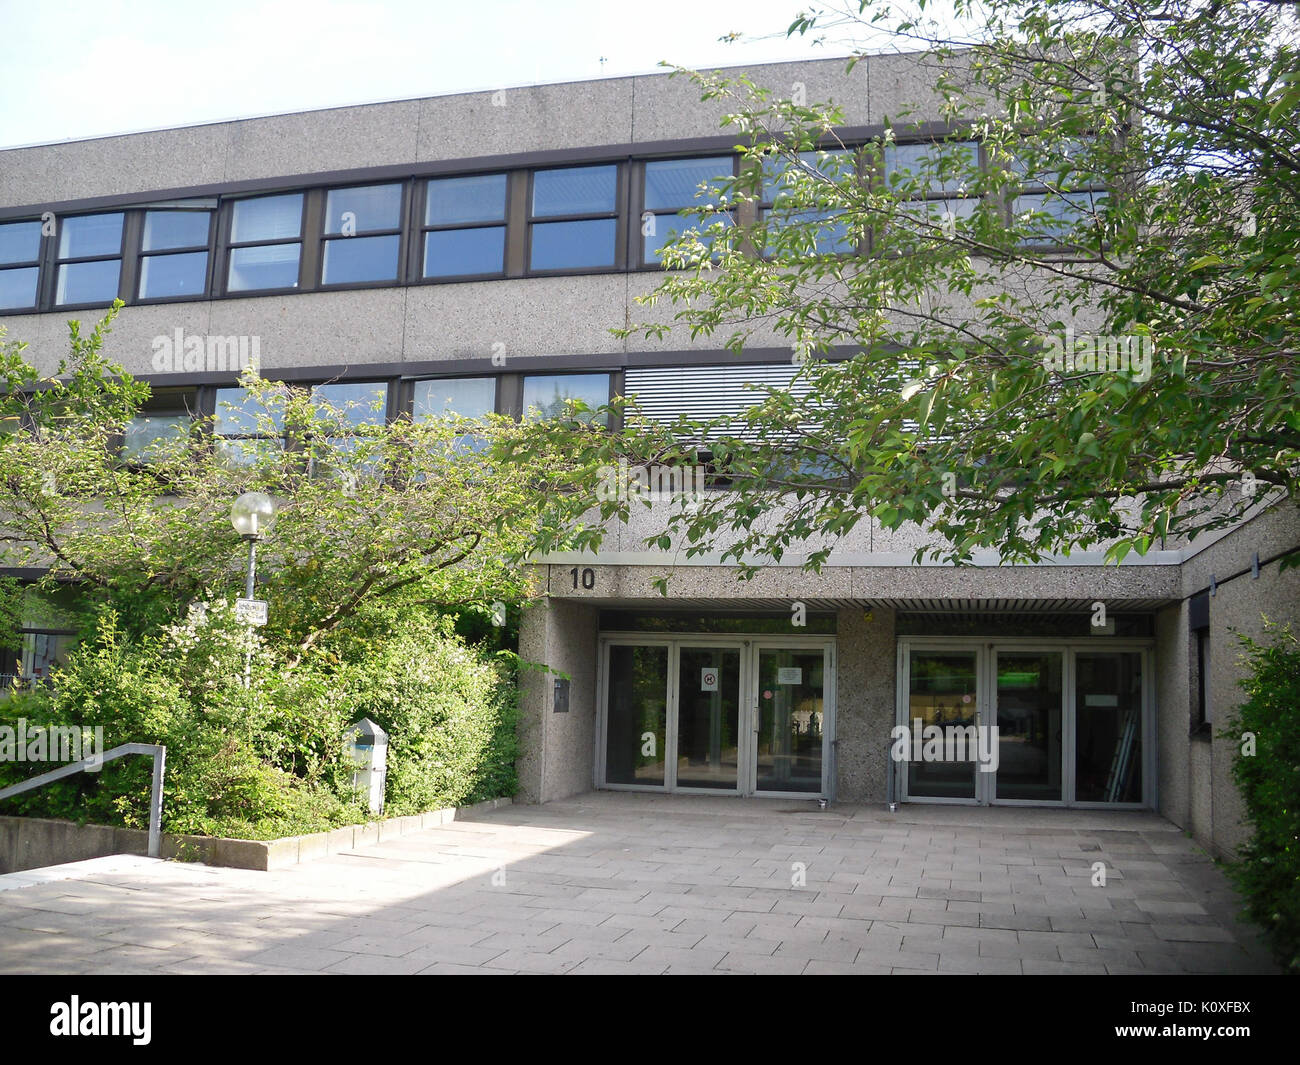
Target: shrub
1268	871
270	760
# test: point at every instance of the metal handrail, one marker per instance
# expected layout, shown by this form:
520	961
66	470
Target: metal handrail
155	751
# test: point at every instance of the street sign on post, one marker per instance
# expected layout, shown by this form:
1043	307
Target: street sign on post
251	611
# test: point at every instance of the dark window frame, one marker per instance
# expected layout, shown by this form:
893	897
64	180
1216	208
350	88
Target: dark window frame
27	264
419	213
140	255
620	211
322	237
636	218
303	240
130	222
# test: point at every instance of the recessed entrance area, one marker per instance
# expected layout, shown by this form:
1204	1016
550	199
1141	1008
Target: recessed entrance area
723	714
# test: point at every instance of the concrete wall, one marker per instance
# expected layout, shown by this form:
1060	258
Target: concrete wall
866	660
557	750
1196	787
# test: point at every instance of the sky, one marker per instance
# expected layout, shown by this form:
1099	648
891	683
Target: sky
88	68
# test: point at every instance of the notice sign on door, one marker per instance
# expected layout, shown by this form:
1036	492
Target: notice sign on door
708	679
789	675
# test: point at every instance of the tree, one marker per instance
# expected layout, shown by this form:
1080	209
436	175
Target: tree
1087	337
374	519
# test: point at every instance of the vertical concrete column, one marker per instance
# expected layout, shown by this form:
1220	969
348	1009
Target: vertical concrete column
557	751
1173	713
865	683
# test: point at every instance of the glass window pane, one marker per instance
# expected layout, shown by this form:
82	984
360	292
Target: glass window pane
577	190
831	237
152	431
267	218
351	259
246	452
1064	211
94	234
449	252
173	275
365	208
668	226
18	287
834	164
676	182
563	245
452	201
237	412
20	242
360	404
942	691
175	229
923	163
467	397
274	266
88	282
546	397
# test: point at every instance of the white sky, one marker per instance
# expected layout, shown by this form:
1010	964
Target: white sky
86	68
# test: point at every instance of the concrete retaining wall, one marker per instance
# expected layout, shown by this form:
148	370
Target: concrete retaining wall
34	843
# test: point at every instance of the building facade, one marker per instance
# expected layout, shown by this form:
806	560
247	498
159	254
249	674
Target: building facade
473	252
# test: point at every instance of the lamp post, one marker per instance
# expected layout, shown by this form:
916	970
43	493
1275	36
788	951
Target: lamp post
252	515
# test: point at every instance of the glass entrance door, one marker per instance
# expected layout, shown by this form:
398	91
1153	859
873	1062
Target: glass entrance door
942	693
708	717
789	719
1071	718
719	714
1030	715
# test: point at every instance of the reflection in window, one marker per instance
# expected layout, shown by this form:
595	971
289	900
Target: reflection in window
549	396
464	226
90	259
573	218
672	185
265	238
160	426
247	428
457	397
20	253
362	227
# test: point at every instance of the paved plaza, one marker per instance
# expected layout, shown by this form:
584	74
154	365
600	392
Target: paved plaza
635	883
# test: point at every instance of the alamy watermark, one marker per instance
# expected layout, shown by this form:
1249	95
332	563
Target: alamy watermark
198	353
623	482
946	743
1128	354
52	743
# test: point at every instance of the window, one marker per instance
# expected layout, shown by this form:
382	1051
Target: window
20	253
362	234
574	218
790	193
265	243
1199	625
345	410
164	419
465	226
1057	195
460	397
174	254
934	178
90	259
243	423
548	396
674	184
